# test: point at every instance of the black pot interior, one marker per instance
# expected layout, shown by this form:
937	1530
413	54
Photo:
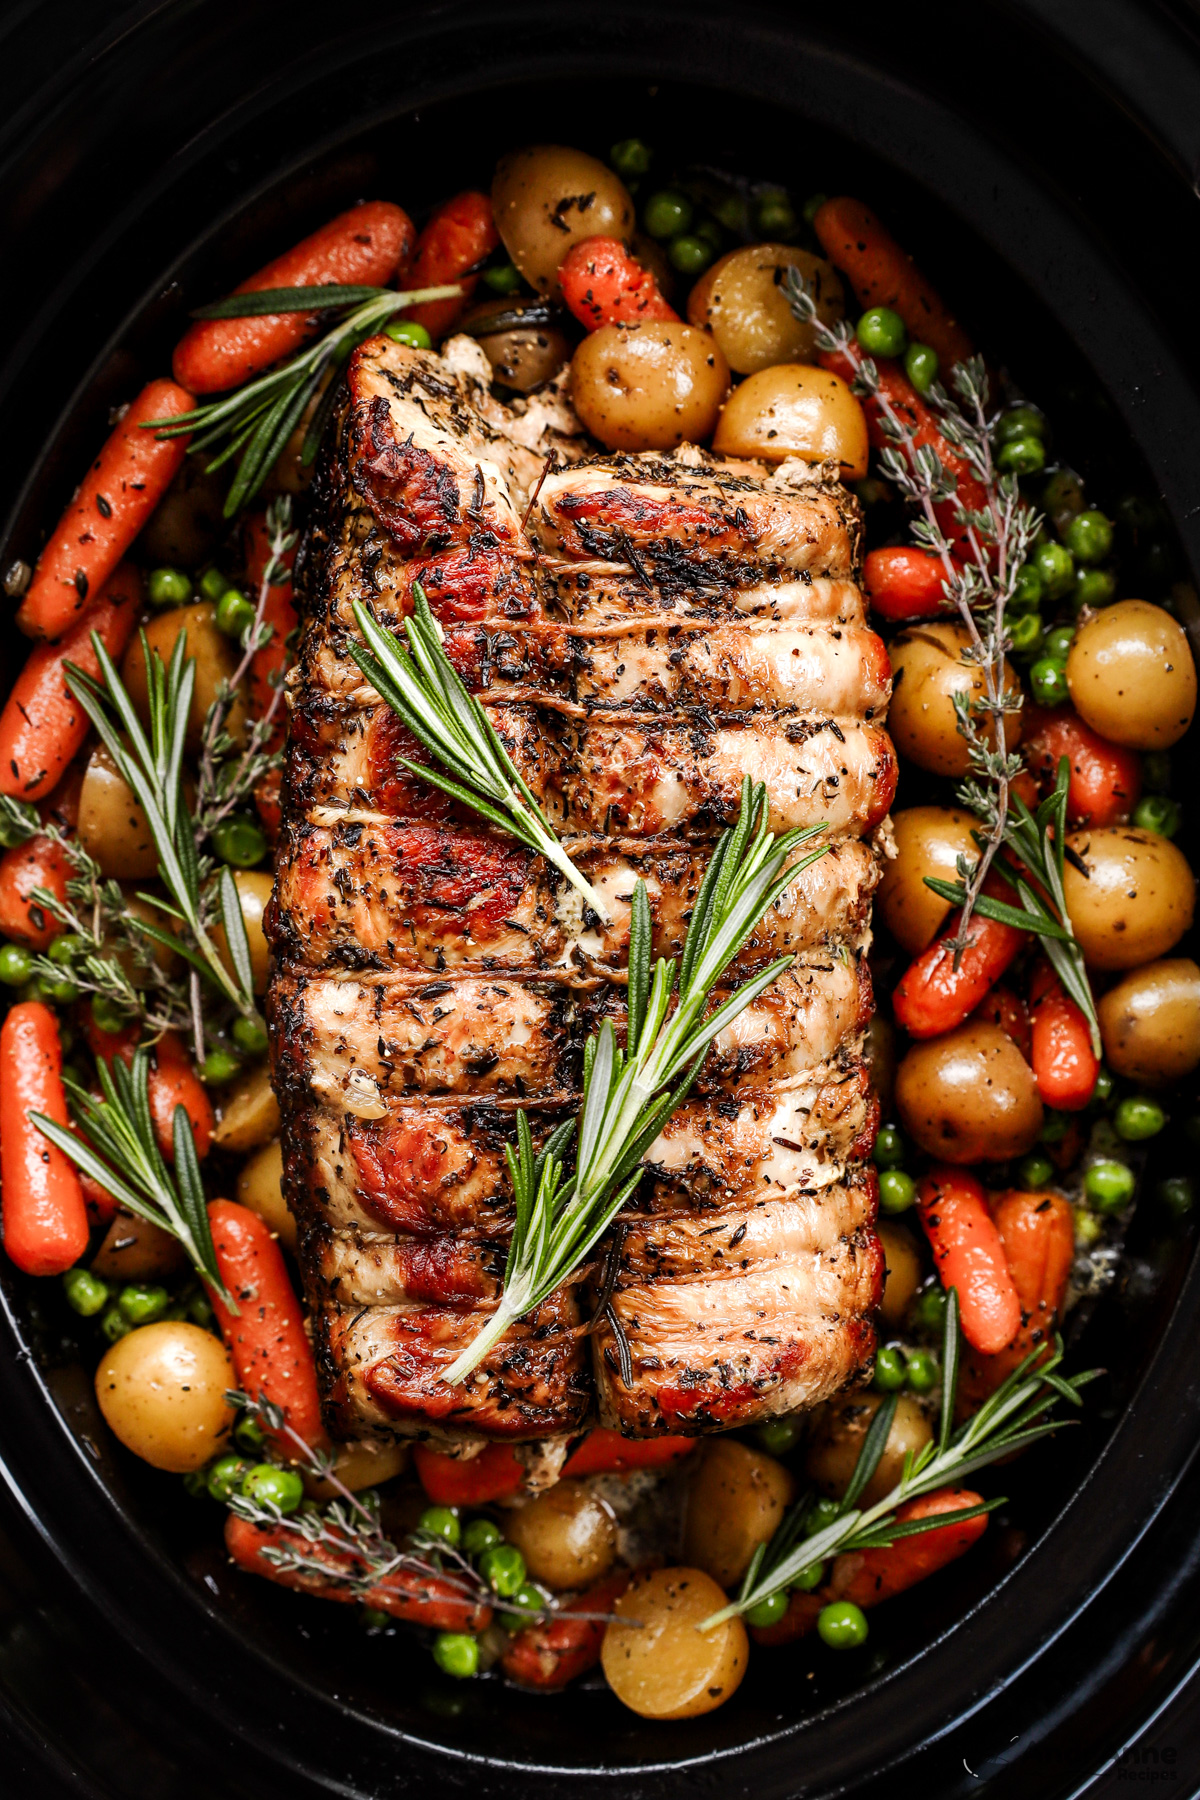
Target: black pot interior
275	143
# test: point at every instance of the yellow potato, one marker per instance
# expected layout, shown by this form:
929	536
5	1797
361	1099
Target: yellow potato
162	1391
838	1437
189	521
880	1050
522	356
112	826
795	409
648	387
736	1499
134	1249
741	301
167	960
927	671
567	1535
1132	677
359	1466
546	198
1150	1022
660	1665
969	1096
254	890
249	1114
216	660
929	841
902	1271
1136	900
260	1187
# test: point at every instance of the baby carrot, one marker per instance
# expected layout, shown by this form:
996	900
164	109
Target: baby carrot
45	1218
39	862
266	1337
1038	1234
455	1481
174	1082
603	285
454	245
903	582
1007	1010
969	1255
1064	1064
1105	781
121	489
553	1652
605	1452
882	275
933	996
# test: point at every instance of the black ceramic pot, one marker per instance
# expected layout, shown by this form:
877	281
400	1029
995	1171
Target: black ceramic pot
1041	156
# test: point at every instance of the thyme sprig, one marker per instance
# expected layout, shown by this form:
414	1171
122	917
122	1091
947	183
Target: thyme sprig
1009	1420
628	1095
115	1144
423	689
255	421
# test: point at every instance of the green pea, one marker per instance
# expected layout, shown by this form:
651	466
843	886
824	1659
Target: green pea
218	1067
1109	1185
86	1293
168	587
1020	422
842	1625
269	1486
1093	587
1035	1171
408	331
923	1373
1058	641
529	1599
239	841
778	1436
235	614
881	332
667	213
213	584
891	1371
631	158
731	211
1056	567
921	366
1025	633
249	1435
1048	682
107	1016
195	1483
481	1535
16	965
1088	537
890	1148
1159	814
1156	772
809	1578
199	1310
441	1522
897	1191
688	253
67	949
775	216
457	1654
1028	590
1054	1127
928	1310
812	207
142	1304
502	278
710	231
503	1568
768	1611
61	992
374	1618
115	1325
1088	1229
1062	496
1138	1118
12	832
1178	1194
820	1514
1102	1093
225	1476
1022	456
250	1035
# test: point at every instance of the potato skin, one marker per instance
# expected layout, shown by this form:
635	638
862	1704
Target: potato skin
249	1112
162	1392
663	1667
522	356
358	1466
741	301
795	409
969	1096
736	1499
1150	1022
546	198
112	826
929	840
1132	676
134	1249
927	671
648	387
216	661
1136	900
902	1275
260	1187
567	1535
838	1433
254	890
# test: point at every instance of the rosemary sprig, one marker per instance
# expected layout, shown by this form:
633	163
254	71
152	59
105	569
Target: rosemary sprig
1008	1420
422	687
629	1095
259	418
115	1144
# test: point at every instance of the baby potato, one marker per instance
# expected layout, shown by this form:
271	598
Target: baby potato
358	1466
260	1187
1150	1022
189	521
929	841
661	1665
736	1499
523	356
162	1391
880	1050
1132	677
1135	900
927	671
969	1096
902	1271
795	409
838	1435
135	1249
546	198
741	301
249	1112
254	890
216	661
112	826
567	1535
648	387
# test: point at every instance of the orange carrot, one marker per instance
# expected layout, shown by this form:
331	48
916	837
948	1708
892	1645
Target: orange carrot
882	275
1007	1010
174	1082
39	862
605	1452
1065	1066
268	802
903	582
266	1337
969	1255
280	614
362	247
454	245
933	996
117	496
494	1474
1038	1234
45	1218
554	1651
1105	780
43	725
603	285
